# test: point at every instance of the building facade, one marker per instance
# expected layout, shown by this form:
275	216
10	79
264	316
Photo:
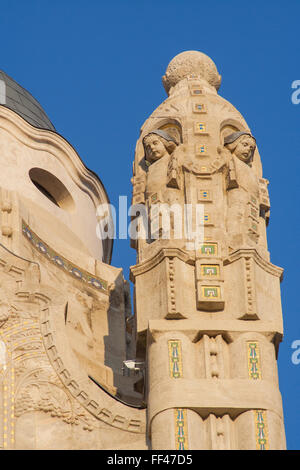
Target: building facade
194	367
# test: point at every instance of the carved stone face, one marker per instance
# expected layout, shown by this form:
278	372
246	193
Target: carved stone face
245	148
154	148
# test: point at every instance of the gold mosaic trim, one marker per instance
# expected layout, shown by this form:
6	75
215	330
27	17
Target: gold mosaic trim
201	150
63	263
261	430
8	408
175	358
253	356
200	128
199	108
211	292
8	401
210	270
209	249
181	433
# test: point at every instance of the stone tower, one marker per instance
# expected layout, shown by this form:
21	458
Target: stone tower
195	366
208	307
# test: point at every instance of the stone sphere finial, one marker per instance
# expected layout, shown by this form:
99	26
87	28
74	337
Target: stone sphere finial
191	63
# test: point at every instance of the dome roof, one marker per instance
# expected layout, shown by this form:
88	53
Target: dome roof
22	102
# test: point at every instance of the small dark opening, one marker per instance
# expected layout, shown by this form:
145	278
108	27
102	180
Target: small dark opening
52	188
45	192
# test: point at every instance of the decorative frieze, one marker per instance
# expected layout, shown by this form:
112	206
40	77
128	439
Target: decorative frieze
210	270
8	403
208	249
261	430
81	391
181	433
253	357
175	359
209	297
20	341
209	277
62	263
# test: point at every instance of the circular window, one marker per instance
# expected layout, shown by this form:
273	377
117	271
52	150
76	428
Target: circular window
52	188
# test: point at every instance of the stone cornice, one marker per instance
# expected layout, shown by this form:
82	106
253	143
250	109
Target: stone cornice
157	258
229	329
232	396
261	262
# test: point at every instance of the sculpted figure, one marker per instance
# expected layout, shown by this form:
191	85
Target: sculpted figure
242	145
245	190
163	176
158	144
163	170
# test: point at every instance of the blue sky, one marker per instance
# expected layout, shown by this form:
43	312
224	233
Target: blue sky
96	67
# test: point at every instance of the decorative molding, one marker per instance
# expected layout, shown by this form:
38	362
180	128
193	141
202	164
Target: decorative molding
81	392
150	263
220	432
41	339
36	387
208	249
62	263
171	288
209	296
21	341
210	271
6	217
253	358
174	311
261	262
250	291
214	357
8	419
261	430
181	433
175	358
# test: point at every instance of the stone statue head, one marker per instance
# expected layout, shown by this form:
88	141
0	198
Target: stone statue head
242	145
157	144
